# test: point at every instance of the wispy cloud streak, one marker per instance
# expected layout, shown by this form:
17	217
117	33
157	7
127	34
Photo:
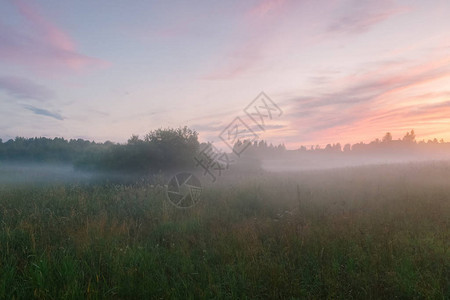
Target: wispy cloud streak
257	24
44	112
43	45
374	103
24	88
362	15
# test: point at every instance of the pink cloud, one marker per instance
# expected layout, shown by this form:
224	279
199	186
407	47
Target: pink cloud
375	102
258	23
238	61
260	29
265	7
361	21
45	47
52	34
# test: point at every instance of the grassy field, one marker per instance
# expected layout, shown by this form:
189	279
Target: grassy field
368	232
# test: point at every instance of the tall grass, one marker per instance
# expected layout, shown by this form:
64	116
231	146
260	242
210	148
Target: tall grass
372	232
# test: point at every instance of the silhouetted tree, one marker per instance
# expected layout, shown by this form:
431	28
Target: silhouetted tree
387	137
409	137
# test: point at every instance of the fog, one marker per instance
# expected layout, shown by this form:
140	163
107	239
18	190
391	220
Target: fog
30	173
314	161
22	173
40	173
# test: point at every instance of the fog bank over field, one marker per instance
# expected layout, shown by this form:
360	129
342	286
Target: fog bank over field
380	151
167	151
26	173
41	173
312	161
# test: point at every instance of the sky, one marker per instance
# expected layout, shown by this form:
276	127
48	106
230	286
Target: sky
343	71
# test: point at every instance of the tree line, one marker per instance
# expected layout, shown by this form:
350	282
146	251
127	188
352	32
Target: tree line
161	149
167	149
386	144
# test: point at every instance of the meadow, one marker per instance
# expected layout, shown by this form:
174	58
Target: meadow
364	232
